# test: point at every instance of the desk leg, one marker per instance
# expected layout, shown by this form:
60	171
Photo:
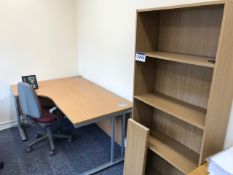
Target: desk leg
113	161
123	131
113	140
20	127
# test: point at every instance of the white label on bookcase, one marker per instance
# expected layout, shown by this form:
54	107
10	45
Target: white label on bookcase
140	56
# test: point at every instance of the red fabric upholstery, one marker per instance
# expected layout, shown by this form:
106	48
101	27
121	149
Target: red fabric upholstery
47	117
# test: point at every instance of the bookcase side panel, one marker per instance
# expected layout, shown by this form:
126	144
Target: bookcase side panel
147	31
221	94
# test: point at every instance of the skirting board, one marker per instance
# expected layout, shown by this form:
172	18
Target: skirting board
7	125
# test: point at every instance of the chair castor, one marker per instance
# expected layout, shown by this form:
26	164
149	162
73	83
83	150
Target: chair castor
1	164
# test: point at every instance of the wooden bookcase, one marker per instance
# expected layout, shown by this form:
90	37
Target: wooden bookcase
183	91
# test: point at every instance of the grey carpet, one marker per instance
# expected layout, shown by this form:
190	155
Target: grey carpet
90	148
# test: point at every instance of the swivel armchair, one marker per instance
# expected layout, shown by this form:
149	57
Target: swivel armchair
38	115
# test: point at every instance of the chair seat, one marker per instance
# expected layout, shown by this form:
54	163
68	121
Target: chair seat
47	117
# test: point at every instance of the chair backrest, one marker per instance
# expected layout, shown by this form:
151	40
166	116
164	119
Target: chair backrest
28	100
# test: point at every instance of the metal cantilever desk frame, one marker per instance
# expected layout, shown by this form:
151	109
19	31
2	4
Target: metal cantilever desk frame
112	116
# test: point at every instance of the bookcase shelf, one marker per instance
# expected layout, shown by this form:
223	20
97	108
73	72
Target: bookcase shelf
183	58
174	153
188	113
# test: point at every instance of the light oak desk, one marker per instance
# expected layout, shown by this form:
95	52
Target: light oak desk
202	170
84	103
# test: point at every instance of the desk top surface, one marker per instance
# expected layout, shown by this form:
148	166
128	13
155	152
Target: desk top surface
79	99
202	170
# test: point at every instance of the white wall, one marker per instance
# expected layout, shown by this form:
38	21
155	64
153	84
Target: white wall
36	37
106	39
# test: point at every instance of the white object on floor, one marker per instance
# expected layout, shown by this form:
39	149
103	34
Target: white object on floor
222	163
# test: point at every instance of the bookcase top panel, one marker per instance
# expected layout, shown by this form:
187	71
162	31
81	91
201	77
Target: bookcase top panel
190	5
